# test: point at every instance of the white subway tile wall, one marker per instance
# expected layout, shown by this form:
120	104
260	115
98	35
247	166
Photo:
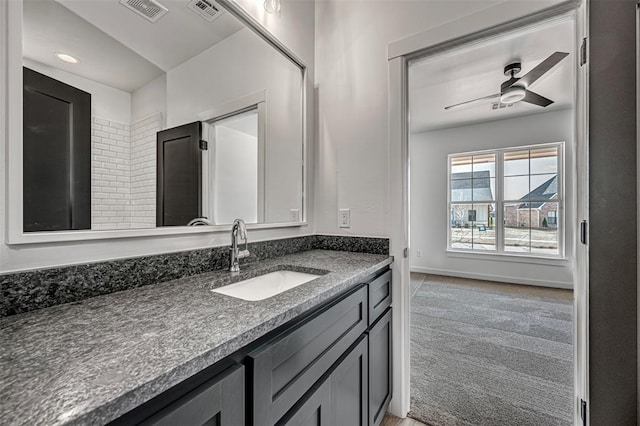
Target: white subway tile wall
143	171
123	173
110	175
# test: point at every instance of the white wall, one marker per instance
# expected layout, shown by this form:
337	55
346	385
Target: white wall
236	176
107	102
149	100
428	183
352	90
293	26
237	67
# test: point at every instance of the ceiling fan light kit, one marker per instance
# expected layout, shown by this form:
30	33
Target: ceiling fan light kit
516	89
513	94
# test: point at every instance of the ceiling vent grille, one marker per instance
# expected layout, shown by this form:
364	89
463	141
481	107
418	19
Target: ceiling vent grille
206	9
500	105
150	10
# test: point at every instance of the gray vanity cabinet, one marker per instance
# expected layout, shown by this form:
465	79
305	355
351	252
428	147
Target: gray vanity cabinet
340	397
290	364
217	402
359	381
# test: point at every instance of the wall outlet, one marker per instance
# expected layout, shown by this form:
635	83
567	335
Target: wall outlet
294	215
344	218
419	253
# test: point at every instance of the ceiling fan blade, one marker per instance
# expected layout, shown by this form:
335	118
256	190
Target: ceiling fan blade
497	95
543	67
534	98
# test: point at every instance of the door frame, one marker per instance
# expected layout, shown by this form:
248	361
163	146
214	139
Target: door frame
256	100
468	30
208	158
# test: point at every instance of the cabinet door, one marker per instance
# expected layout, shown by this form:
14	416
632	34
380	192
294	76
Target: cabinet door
314	410
349	387
218	402
380	339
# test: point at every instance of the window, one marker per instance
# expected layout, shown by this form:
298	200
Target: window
507	201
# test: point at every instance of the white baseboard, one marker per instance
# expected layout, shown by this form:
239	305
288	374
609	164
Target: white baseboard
497	278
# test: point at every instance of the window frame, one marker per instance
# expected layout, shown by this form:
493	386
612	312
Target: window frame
499	202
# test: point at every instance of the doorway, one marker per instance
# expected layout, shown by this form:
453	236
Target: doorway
235	163
568	248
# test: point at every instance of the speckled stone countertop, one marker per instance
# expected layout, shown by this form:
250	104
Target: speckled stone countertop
94	360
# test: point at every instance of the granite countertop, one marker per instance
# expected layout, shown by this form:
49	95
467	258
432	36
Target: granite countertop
94	360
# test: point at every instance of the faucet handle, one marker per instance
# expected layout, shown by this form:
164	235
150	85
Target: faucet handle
243	253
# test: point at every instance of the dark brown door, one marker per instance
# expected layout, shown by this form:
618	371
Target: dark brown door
179	183
57	154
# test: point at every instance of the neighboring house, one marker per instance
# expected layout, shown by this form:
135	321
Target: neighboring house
537	213
469	187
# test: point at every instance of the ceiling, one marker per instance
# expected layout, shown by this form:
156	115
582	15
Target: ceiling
476	71
115	46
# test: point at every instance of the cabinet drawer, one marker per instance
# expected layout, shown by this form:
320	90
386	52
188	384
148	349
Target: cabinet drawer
217	402
286	367
379	296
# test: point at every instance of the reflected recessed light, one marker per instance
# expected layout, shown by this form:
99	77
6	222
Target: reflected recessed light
272	6
67	58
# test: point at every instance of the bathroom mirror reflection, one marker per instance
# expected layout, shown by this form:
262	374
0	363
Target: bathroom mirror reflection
141	114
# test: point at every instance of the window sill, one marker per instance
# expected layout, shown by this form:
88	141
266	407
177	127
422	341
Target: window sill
506	257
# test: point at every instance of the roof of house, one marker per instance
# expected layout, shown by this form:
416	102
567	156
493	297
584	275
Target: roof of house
547	191
470	186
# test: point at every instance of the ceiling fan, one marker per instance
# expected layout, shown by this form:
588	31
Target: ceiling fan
516	88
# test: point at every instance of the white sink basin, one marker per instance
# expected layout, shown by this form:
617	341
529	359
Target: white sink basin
264	286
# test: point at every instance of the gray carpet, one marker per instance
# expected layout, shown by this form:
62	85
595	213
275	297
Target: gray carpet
484	353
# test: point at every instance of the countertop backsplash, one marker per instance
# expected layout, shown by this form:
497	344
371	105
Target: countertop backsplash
37	289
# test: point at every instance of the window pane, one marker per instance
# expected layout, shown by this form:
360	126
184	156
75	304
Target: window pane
483	231
531	202
544	187
516	187
461	235
517	217
461	165
516	163
544	160
485	163
544	236
484	189
461	190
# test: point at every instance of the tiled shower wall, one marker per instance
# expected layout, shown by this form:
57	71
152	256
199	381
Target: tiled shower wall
123	173
143	171
110	174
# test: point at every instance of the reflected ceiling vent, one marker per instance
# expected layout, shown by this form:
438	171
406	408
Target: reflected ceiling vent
500	105
150	10
206	9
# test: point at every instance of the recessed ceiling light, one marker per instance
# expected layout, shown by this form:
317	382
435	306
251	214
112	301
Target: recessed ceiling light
272	6
67	58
